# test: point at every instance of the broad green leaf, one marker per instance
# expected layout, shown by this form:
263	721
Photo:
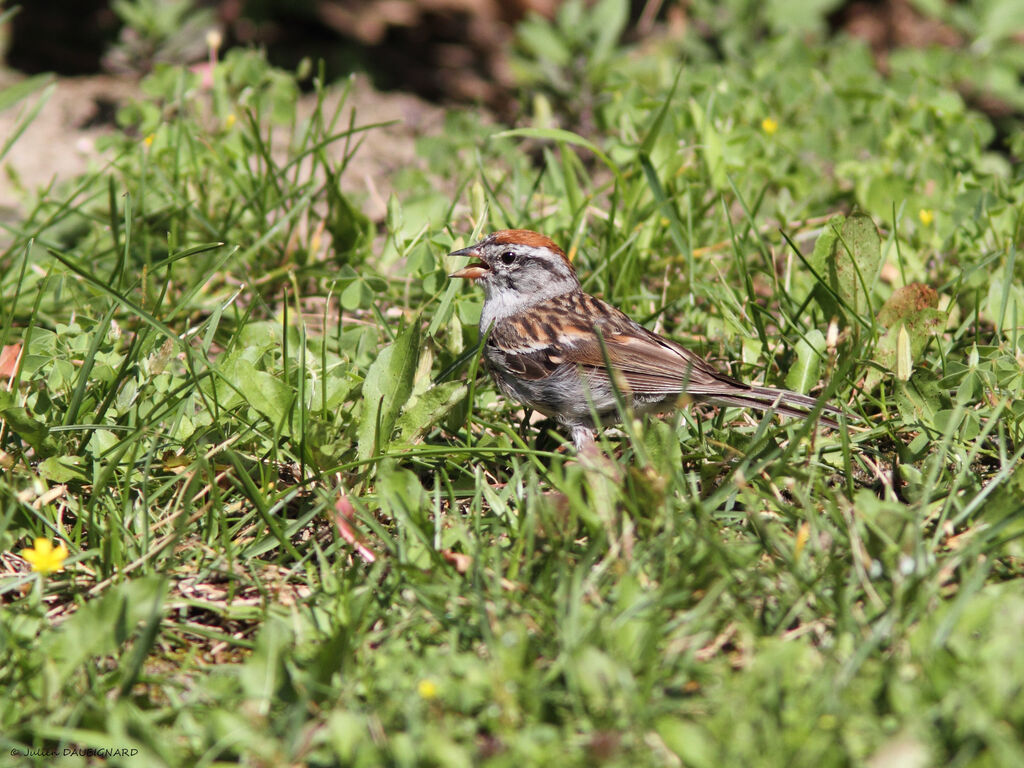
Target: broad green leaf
922	326
905	302
402	497
878	192
261	335
687	740
799	17
856	261
353	294
970	389
386	388
825	243
443	312
804	374
349	227
346	732
909	312
338	386
540	39
663	447
918	328
428	409
263	391
102	440
609	17
33	432
920	399
1001	19
950	419
62	469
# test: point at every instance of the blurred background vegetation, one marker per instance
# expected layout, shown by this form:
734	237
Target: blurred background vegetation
465	50
300	525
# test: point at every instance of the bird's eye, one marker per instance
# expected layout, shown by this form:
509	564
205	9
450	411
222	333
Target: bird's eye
508	257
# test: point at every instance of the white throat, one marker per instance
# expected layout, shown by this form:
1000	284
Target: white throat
500	302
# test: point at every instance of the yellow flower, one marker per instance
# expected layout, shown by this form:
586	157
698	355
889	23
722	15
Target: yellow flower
148	141
44	557
229	121
769	125
927	216
427	689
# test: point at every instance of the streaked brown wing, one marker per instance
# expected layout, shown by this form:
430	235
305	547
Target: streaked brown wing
652	365
649	363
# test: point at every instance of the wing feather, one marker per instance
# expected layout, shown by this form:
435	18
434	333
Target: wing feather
648	363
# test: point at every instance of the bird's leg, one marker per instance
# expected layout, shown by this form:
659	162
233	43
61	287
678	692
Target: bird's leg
583	439
600	470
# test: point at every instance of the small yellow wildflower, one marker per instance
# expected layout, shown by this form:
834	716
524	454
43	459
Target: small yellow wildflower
148	141
927	216
44	557
229	121
427	689
769	125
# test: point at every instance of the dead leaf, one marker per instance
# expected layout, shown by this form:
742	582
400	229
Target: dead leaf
344	519
9	358
461	561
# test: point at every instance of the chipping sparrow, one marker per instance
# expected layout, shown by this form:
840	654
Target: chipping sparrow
546	336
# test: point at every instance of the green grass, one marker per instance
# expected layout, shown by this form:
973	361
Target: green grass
305	529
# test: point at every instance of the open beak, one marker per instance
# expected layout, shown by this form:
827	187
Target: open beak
470	271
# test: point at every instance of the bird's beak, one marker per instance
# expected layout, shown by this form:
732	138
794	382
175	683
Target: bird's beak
470	271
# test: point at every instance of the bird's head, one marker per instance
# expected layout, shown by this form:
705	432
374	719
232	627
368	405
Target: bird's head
518	268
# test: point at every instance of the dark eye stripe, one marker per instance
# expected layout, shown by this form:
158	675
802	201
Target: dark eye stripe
548	266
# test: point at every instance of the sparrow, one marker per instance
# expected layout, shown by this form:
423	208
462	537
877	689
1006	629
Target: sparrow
549	345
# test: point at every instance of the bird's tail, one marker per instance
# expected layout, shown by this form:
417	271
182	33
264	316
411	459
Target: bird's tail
779	400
